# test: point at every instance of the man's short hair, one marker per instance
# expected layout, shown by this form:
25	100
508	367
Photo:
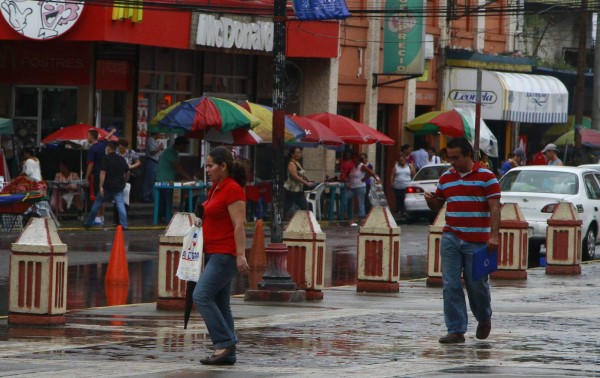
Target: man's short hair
93	133
112	145
465	146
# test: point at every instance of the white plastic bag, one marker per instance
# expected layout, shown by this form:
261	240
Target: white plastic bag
190	261
377	196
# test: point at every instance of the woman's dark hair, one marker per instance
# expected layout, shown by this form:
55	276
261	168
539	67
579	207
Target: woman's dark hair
292	151
463	143
28	150
236	169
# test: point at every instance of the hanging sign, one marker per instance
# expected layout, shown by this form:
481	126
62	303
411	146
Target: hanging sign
321	9
403	37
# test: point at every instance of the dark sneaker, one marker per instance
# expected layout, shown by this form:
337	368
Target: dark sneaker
483	330
452	338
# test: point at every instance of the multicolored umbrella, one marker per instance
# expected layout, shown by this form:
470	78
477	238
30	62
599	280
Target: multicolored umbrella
292	131
351	131
450	122
589	138
237	137
559	129
201	113
456	123
316	132
76	134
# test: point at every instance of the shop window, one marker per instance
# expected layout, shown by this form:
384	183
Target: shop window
166	76
228	76
39	111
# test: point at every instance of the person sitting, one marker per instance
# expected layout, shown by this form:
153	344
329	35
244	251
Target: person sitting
64	196
30	179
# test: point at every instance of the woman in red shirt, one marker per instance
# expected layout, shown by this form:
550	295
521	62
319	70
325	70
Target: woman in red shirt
224	215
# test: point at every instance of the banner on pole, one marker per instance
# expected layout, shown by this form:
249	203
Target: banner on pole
321	9
403	37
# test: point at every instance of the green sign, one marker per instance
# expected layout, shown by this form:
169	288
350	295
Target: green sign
403	37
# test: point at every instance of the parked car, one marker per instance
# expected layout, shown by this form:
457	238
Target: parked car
538	189
424	181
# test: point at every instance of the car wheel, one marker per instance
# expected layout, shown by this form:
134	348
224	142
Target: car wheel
588	247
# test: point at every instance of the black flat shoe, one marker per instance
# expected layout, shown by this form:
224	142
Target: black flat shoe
225	358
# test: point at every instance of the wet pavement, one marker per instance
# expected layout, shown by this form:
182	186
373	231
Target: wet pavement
543	326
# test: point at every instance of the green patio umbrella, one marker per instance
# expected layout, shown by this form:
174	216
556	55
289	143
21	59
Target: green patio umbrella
6	126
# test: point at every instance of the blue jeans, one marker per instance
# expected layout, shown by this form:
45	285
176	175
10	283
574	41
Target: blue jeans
457	258
109	196
150	167
360	193
212	298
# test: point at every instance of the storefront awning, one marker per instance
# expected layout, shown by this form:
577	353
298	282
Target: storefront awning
506	96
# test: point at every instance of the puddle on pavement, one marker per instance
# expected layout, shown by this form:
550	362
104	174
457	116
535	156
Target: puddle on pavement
86	287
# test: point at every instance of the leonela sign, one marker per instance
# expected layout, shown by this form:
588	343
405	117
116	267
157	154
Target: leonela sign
225	32
487	97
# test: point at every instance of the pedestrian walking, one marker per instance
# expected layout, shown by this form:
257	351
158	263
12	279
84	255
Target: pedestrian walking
295	183
224	216
154	149
114	173
472	194
402	173
356	182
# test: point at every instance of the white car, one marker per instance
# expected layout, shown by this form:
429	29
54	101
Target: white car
424	181
538	189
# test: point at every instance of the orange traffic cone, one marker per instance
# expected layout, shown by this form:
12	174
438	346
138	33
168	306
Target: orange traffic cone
117	272
116	293
258	257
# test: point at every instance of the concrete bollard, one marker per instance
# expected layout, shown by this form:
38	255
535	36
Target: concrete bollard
563	241
306	253
38	276
379	253
434	259
171	290
513	245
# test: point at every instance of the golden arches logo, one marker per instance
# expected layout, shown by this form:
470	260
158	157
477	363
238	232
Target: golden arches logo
128	9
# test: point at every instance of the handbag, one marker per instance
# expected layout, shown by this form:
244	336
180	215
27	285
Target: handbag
190	260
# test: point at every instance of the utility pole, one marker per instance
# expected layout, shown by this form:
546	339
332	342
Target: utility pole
596	96
476	137
580	87
279	37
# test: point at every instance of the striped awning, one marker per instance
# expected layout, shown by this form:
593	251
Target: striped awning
533	98
515	97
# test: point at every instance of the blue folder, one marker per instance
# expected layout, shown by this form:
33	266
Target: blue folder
484	262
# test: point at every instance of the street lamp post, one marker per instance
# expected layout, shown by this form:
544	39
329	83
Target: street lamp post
277	284
278	169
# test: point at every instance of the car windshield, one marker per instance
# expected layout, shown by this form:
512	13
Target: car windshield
539	182
431	172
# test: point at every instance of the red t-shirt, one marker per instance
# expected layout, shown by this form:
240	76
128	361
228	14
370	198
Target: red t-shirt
217	227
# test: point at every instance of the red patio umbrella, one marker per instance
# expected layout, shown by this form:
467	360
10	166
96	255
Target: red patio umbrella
316	132
351	131
75	133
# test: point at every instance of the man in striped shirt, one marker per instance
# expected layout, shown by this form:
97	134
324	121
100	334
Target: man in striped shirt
472	195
